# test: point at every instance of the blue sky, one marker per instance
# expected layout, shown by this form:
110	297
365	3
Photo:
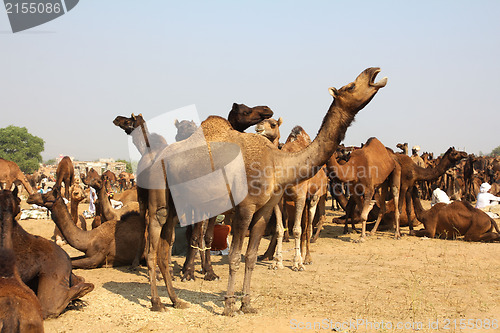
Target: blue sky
68	79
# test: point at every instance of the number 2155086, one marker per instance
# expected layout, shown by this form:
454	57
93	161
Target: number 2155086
33	8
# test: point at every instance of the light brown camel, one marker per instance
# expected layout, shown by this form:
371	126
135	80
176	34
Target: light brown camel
305	197
411	173
44	266
368	169
20	309
126	180
114	243
458	218
65	173
77	195
10	173
268	172
127	196
148	145
270	128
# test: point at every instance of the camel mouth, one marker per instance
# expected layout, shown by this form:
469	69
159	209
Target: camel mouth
381	83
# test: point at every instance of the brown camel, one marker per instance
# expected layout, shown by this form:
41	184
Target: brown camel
403	147
411	173
10	173
114	243
126	180
42	264
65	173
270	128
458	218
110	178
268	172
468	174
20	309
368	169
127	196
77	195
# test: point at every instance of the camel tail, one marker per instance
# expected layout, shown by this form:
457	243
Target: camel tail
495	225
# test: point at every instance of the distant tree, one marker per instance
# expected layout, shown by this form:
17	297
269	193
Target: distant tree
495	152
128	166
17	145
52	161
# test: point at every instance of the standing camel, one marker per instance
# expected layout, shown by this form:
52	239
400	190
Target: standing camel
65	173
10	173
268	172
44	266
368	169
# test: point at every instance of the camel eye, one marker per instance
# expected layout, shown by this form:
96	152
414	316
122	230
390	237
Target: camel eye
273	125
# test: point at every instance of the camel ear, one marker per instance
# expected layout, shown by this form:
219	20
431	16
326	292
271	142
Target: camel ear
280	121
132	116
176	123
333	92
235	107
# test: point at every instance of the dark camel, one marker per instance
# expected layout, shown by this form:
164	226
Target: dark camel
114	243
458	218
368	169
110	178
468	175
43	265
65	173
268	172
20	309
403	147
411	173
10	173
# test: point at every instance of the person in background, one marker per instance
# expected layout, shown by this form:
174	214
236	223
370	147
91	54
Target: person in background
92	200
416	158
487	202
438	195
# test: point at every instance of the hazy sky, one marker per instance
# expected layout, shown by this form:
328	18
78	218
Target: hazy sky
68	79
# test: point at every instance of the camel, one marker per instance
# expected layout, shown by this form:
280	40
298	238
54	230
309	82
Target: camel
126	180
114	243
77	195
368	169
403	147
110	178
184	129
305	197
458	218
20	309
148	145
42	265
468	174
65	173
270	128
268	172
10	173
127	196
411	173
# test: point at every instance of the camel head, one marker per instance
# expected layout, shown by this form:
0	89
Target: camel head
90	176
129	124
46	199
184	129
9	202
270	128
242	117
77	193
356	95
403	146
454	155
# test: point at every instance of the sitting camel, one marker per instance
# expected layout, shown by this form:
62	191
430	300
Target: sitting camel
65	173
42	265
114	243
127	196
458	218
10	173
20	310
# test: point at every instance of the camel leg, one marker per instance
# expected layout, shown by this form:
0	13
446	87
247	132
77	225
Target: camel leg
89	262
309	228
367	206
409	202
395	183
321	211
297	231
164	250
55	293
251	256
142	197
207	261
280	230
380	198
193	235
240	226
271	249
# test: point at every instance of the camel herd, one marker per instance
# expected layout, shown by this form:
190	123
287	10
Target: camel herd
287	190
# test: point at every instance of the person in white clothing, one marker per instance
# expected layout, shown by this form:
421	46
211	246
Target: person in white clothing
438	195
488	202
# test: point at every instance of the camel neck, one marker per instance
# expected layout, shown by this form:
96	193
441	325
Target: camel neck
75	236
344	173
108	211
74	210
7	223
417	205
302	165
431	173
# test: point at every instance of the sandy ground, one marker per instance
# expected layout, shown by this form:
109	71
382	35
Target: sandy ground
382	285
